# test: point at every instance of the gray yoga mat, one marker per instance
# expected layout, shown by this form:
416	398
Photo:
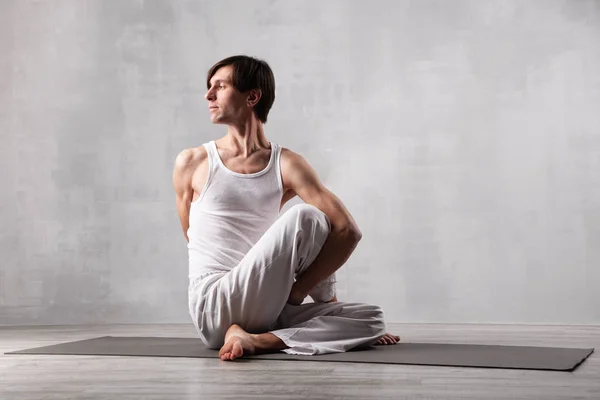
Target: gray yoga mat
458	355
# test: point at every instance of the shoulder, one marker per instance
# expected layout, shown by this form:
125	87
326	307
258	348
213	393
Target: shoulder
291	159
190	158
188	161
295	170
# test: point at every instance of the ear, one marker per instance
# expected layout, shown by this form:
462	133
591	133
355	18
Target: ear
254	97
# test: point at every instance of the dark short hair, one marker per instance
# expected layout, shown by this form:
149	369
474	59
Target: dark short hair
250	73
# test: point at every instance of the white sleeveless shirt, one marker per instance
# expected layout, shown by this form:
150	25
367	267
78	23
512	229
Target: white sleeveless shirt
232	212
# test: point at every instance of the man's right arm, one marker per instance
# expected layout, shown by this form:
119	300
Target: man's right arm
182	182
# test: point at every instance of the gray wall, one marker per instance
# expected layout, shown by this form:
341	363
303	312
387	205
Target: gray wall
463	136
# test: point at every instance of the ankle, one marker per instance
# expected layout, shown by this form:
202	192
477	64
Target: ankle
268	341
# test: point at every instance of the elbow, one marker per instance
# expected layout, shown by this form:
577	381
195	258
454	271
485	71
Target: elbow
350	232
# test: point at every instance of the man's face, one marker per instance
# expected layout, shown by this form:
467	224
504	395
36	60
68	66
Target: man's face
226	104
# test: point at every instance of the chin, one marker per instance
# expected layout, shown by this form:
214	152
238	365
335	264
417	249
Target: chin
219	121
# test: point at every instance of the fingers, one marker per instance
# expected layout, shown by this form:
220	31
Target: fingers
388	339
393	338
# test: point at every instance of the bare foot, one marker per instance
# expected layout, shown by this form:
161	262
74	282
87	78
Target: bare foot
237	343
388	338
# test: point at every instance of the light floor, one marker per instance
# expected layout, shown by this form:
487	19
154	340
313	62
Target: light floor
93	377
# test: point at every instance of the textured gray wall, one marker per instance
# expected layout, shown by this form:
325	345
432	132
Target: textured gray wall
463	136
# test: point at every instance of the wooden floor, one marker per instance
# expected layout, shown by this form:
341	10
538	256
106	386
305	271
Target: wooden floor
93	377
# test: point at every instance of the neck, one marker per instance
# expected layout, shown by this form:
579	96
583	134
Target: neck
246	138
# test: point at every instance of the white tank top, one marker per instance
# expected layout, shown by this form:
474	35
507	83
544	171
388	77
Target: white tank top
232	212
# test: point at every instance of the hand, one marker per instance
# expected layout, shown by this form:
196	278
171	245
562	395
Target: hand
296	295
388	338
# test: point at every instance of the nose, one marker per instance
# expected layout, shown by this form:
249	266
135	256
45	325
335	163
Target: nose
210	95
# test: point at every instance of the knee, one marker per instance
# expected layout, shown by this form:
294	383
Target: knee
378	319
308	212
213	339
213	343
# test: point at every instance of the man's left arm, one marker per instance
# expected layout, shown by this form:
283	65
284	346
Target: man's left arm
344	236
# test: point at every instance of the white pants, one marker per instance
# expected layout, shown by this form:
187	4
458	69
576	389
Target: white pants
254	294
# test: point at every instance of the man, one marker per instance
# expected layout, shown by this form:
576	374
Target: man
250	270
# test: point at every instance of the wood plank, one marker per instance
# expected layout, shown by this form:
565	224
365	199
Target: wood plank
64	377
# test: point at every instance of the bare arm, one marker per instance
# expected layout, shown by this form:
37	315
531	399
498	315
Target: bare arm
182	182
344	236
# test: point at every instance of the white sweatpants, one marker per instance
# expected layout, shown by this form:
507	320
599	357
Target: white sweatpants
254	294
